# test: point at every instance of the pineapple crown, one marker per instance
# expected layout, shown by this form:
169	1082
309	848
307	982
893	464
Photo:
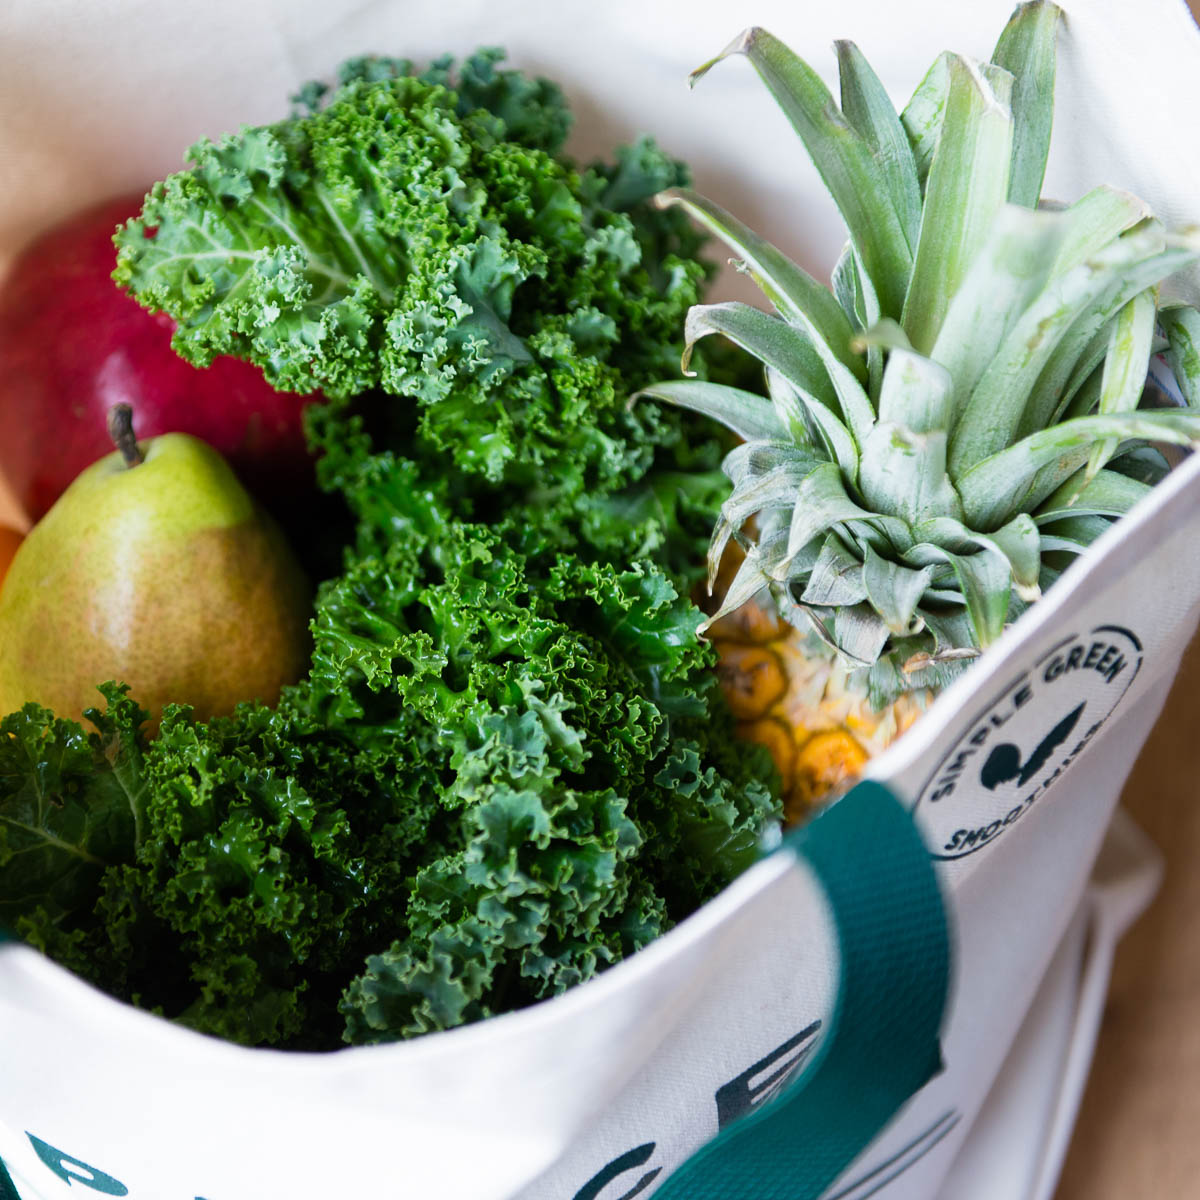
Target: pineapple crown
958	417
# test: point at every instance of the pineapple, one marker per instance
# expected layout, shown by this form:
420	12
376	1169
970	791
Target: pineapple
799	703
949	424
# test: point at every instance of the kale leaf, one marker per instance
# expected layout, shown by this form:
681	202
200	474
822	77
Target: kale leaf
509	764
73	804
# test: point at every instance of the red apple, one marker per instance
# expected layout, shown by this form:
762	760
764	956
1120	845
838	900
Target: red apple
72	345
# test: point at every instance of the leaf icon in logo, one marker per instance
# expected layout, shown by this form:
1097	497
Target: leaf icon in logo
1004	762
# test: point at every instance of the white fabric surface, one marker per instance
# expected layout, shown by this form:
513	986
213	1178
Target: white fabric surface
97	99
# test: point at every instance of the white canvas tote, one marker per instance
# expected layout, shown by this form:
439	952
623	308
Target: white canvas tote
601	1093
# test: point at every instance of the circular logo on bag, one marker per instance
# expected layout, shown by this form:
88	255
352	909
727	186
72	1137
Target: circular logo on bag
1026	738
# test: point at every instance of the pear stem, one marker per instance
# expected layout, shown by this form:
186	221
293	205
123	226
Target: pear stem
120	429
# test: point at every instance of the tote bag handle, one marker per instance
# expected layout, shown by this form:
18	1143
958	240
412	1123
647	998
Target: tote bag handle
881	1044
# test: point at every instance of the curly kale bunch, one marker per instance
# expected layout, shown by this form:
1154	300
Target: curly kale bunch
509	765
431	244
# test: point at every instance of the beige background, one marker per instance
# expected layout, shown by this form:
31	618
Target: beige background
1138	1134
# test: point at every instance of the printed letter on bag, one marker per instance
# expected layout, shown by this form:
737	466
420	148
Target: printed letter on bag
765	1078
632	1158
72	1171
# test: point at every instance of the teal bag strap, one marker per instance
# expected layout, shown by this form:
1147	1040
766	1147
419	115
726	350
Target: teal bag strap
881	1044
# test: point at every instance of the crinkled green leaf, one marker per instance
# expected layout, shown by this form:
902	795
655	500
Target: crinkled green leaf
398	237
71	803
509	764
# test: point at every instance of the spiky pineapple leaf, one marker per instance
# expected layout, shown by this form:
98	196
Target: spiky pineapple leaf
855	293
951	630
821	502
1108	494
774	489
869	110
1017	542
743	413
1044	398
903	474
967	184
791	409
1142	463
1125	366
860	633
826	428
884	334
992	490
836	577
1181	324
984	579
996	408
1027	50
749	460
1081	393
909	520
842	157
922	116
857	410
771	340
750	580
801	356
1073	535
1010	270
796	295
1020	543
895	591
848	289
1093	221
916	392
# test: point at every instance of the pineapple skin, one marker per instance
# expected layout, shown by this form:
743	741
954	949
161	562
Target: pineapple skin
803	706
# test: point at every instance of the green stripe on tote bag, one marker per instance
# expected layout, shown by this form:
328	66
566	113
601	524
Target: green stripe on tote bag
881	1043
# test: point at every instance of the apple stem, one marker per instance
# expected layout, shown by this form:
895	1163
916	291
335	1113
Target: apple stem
120	429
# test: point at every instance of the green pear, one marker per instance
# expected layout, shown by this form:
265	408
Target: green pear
155	568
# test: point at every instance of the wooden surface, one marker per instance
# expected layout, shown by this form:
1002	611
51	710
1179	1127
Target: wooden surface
1137	1134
